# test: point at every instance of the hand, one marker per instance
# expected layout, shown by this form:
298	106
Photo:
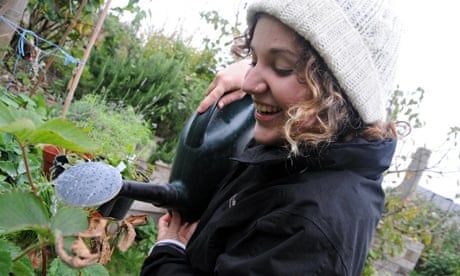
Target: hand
170	226
226	86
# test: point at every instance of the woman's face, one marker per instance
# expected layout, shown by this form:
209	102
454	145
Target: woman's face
273	80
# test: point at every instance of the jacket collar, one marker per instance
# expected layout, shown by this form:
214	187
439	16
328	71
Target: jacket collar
366	157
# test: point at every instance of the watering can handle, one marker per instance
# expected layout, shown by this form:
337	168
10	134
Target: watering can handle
198	127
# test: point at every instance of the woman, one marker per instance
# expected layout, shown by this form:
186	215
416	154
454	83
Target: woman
306	195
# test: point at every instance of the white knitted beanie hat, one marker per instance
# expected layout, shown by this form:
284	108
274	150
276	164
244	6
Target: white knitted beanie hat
358	40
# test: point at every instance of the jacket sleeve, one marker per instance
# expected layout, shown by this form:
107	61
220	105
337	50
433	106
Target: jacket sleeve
166	259
281	245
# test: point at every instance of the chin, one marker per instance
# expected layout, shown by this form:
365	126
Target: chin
266	136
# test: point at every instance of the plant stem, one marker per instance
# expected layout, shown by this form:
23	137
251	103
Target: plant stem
27	168
31	248
44	260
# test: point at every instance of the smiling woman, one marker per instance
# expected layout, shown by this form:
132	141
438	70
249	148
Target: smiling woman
306	195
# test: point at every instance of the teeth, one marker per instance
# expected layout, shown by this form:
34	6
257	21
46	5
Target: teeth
266	108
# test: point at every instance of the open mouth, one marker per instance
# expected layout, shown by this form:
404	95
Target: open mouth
266	109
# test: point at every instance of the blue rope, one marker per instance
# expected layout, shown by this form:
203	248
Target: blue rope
22	40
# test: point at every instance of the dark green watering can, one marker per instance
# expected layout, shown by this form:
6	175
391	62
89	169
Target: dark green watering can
202	159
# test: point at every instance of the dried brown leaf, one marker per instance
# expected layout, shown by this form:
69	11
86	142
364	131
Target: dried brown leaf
74	261
136	220
97	247
96	228
106	251
127	237
79	248
97	224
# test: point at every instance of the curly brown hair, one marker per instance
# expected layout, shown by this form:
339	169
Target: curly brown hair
335	119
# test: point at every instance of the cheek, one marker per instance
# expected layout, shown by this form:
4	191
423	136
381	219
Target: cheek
292	93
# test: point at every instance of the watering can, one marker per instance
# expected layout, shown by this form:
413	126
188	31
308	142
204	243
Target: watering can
202	159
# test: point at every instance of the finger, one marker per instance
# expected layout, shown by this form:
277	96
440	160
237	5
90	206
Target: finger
164	220
209	100
224	99
211	86
176	221
230	97
163	227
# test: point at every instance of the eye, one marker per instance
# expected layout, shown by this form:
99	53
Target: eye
283	72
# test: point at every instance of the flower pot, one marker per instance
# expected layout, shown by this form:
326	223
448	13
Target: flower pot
49	154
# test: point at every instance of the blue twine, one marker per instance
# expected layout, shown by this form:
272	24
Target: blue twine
22	39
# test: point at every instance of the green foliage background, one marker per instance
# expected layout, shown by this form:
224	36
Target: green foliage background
131	88
163	80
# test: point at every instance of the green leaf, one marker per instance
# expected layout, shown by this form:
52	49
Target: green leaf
59	268
9	168
9	102
94	270
9	247
20	210
23	267
62	133
20	128
70	220
13	114
6	262
28	127
6	116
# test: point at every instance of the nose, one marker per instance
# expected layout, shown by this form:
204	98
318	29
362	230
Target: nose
254	82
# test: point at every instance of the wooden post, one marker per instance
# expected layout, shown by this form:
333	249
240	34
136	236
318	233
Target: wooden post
12	10
79	69
414	172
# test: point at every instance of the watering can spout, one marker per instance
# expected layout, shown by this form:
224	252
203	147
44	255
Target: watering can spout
158	194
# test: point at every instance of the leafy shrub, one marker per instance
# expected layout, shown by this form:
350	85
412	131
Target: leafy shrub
164	80
118	129
441	263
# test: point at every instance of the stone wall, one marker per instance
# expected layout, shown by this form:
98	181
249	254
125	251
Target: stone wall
403	263
445	204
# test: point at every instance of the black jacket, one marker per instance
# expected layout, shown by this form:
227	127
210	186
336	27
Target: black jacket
274	215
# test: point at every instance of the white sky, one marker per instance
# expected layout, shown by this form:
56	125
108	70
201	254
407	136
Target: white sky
429	58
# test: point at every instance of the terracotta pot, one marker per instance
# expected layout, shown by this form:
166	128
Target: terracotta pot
49	153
